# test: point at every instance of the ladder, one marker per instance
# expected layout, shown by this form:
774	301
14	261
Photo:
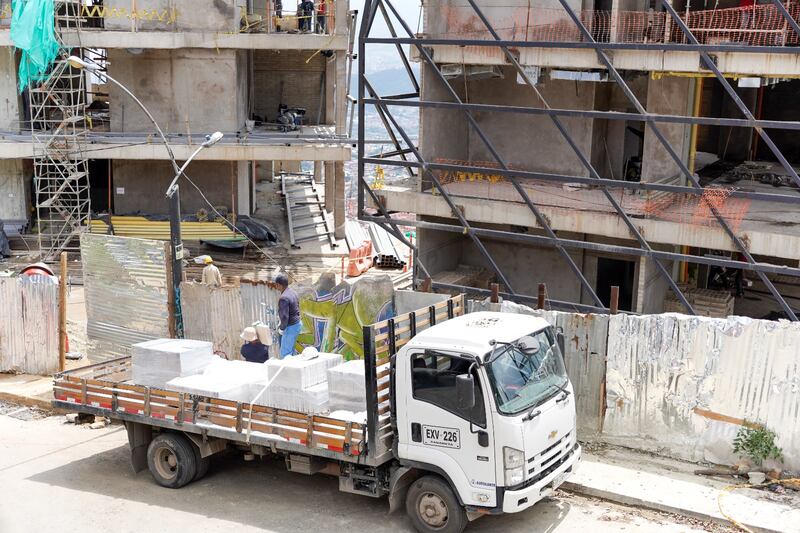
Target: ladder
305	209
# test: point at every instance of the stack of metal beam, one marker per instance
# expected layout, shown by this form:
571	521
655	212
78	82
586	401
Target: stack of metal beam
389	252
355	234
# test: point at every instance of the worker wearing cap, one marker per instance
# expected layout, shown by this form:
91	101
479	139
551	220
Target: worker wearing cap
253	350
211	275
289	314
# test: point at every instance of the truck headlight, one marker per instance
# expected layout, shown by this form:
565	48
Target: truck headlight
514	465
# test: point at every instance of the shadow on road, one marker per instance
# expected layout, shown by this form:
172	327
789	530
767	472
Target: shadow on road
263	494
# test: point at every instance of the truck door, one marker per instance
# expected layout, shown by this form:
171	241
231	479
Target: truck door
433	430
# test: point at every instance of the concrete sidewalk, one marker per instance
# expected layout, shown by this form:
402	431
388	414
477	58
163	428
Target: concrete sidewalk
23	389
642	480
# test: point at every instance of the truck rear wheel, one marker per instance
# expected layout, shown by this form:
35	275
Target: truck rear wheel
172	461
432	507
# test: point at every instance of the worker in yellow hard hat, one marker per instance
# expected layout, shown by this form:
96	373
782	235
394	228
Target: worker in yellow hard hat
211	275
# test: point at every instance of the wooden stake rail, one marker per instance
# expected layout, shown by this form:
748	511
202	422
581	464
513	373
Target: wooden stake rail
383	340
87	387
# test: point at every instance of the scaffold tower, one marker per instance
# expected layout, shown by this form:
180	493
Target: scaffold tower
59	132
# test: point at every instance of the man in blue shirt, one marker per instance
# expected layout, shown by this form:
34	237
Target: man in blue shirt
289	314
253	350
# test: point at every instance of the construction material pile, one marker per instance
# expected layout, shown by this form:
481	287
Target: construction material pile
312	383
346	387
299	383
159	361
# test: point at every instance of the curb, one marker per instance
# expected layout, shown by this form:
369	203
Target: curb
614	497
31	401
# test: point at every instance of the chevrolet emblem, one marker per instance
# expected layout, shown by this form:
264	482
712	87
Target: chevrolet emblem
553	434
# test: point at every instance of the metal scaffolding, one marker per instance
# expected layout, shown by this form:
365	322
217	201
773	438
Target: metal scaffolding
680	39
59	131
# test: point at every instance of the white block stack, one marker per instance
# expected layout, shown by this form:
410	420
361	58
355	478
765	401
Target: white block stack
299	384
346	387
156	362
229	380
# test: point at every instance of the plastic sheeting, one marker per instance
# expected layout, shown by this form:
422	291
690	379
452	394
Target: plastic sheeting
127	292
29	325
33	32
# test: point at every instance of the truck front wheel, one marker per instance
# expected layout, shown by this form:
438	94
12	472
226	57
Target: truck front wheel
432	507
172	460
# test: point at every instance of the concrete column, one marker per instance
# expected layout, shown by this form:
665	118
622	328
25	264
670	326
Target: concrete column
330	180
317	171
339	211
243	188
668	96
14	187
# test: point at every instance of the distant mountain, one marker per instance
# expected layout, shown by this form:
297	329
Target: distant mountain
388	81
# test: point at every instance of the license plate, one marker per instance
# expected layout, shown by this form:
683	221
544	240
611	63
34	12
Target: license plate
558	480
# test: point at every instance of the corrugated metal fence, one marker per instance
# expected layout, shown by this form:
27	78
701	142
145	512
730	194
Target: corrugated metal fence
218	314
126	284
677	384
29	325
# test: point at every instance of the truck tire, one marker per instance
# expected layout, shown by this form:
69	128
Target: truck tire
202	464
433	508
171	459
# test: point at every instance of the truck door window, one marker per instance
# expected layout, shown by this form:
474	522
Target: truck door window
434	381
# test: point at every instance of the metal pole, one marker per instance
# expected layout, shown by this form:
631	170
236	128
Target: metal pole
614	304
541	296
62	314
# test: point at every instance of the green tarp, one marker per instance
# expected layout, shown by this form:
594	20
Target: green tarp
33	32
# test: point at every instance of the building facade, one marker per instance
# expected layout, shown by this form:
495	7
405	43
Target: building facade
199	66
646	145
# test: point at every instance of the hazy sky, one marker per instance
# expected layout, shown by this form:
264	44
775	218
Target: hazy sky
409	10
382	57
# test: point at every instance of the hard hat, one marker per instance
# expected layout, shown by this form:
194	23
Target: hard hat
207	260
249	334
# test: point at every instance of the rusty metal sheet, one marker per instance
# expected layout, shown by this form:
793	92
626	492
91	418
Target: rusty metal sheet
126	285
213	314
29	325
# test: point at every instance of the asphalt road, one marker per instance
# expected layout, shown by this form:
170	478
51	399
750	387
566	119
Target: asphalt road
60	477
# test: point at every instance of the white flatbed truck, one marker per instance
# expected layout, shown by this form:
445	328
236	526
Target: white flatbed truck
477	417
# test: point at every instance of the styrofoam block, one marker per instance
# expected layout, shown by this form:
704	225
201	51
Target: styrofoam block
346	387
350	416
154	363
299	373
312	400
207	385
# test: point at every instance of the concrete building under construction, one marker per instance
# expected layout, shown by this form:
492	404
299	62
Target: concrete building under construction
647	145
273	80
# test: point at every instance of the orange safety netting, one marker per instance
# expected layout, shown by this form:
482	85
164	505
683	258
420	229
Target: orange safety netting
757	25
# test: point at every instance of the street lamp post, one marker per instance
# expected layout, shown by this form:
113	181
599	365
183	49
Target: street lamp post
173	192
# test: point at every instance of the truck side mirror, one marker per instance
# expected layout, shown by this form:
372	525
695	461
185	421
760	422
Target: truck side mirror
560	341
465	391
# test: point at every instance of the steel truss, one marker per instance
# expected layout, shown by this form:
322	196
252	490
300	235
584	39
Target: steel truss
385	104
58	124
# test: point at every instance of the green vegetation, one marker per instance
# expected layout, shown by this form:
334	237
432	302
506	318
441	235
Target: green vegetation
757	442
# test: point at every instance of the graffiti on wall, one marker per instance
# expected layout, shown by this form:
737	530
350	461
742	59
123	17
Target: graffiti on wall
333	315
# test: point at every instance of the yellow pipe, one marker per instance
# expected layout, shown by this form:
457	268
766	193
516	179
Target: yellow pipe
698	98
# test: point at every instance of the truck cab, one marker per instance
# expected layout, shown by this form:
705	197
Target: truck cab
485	417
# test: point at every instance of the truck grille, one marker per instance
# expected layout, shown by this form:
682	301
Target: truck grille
551	457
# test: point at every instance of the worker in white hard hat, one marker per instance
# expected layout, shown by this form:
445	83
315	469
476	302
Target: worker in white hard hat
253	350
211	275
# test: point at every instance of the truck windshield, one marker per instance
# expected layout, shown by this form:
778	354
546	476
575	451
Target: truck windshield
526	373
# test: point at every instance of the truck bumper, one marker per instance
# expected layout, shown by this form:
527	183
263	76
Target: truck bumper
515	501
